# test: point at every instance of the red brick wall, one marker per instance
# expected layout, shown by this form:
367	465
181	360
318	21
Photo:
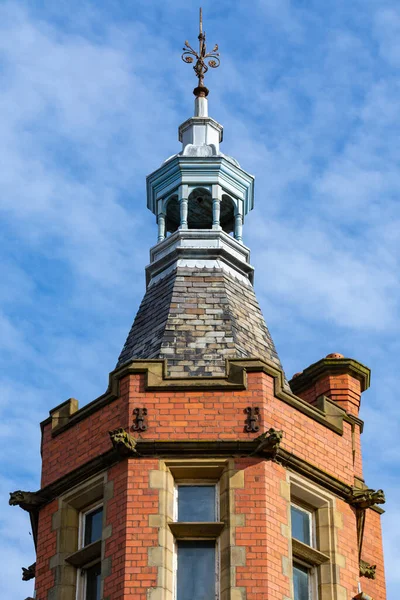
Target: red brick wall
207	415
342	388
373	554
266	511
348	547
201	415
128	514
46	548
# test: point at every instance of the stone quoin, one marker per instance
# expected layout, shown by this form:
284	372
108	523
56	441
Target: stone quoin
202	473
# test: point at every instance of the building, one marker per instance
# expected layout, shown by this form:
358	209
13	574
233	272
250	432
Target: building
202	472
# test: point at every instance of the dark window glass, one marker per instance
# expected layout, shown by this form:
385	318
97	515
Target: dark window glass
301	525
93	526
196	503
196	570
301	582
93	582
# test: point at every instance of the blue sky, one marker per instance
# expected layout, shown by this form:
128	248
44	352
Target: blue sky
92	94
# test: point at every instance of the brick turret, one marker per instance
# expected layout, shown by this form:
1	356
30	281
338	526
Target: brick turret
340	379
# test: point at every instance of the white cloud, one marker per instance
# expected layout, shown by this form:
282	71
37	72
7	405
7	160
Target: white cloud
90	105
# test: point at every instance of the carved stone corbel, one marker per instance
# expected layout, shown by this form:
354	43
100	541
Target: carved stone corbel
124	443
367	570
31	502
28	501
29	573
269	443
362	500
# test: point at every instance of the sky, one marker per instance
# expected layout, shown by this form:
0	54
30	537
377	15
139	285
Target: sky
92	94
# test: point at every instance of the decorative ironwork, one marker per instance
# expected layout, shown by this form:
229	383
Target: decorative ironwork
253	413
200	67
140	419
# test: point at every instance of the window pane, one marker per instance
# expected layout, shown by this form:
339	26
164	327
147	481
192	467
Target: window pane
301	582
93	582
93	526
301	525
196	503
196	570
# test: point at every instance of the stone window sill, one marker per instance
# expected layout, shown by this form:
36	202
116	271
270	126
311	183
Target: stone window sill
196	530
85	555
308	554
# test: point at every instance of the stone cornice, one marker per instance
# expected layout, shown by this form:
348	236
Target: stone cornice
200	171
222	254
331	366
190	449
327	412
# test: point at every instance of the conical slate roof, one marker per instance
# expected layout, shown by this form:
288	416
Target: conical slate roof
199	308
196	318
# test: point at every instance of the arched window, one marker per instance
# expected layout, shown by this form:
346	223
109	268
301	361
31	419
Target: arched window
172	215
227	215
200	209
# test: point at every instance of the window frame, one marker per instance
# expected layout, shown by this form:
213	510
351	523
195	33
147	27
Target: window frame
82	523
313	580
214	534
312	521
217	569
81	573
322	558
81	579
197	483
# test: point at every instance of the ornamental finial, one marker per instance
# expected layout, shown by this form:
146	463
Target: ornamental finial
201	68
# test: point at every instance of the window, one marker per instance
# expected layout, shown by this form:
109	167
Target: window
92	525
87	559
79	530
302	528
196	561
89	574
301	582
304	576
196	503
90	582
196	530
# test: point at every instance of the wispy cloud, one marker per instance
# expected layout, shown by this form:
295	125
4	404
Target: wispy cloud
91	100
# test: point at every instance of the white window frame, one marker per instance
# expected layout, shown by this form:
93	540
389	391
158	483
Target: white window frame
311	513
82	522
309	496
197	483
81	573
312	578
81	580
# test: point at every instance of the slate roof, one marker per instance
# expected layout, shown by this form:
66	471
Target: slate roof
196	318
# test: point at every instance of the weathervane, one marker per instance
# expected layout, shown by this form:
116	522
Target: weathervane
201	68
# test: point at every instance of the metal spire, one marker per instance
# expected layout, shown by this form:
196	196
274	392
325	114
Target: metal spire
201	68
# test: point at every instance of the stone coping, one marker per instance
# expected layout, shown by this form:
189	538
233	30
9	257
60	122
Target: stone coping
326	412
331	366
